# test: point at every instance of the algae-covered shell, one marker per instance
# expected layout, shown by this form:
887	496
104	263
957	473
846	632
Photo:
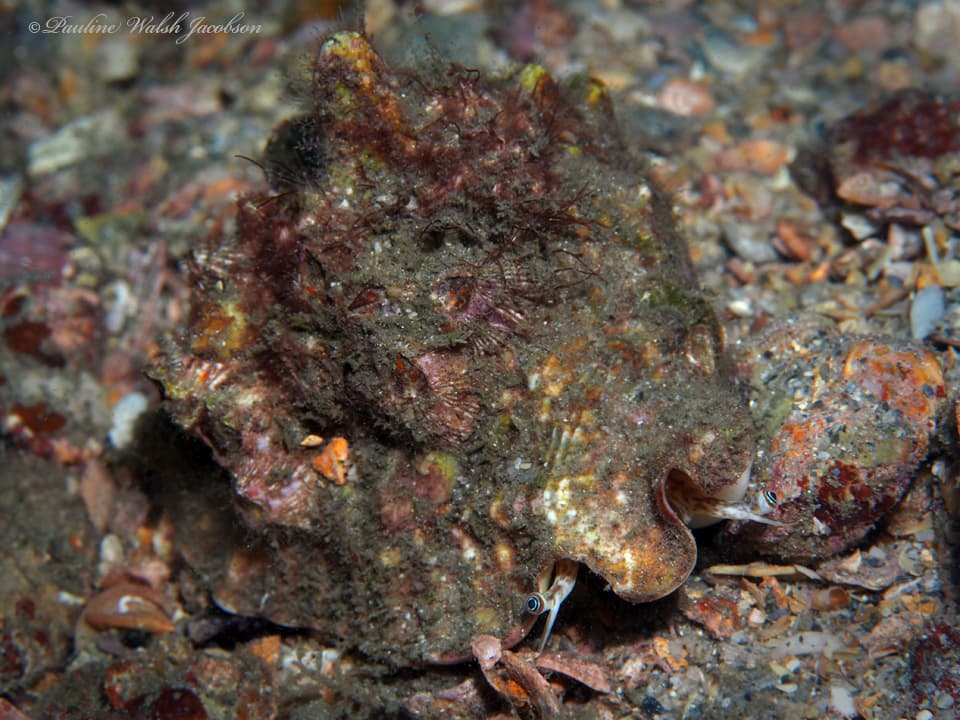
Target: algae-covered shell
473	291
845	423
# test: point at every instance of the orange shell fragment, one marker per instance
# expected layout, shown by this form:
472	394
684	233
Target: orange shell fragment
128	606
334	461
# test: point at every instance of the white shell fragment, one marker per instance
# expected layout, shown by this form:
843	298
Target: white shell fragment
841	700
125	414
926	311
858	225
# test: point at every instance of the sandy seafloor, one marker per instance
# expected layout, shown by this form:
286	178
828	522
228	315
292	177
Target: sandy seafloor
117	147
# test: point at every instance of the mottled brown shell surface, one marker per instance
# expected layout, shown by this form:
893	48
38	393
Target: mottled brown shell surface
845	423
459	341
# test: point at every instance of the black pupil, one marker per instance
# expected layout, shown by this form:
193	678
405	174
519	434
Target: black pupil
533	604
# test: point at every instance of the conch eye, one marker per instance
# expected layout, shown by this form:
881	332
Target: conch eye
535	604
768	500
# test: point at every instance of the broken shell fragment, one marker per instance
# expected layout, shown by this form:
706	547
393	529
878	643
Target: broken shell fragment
575	666
128	606
514	678
830	598
334	461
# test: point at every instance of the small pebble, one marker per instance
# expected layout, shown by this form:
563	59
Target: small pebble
867	188
831	598
32	248
684	97
10	189
948	273
868	33
911	561
116	299
741	308
749	242
117	59
85	137
794	242
894	75
803	30
937	29
858	225
451	7
733	57
111	552
757	155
